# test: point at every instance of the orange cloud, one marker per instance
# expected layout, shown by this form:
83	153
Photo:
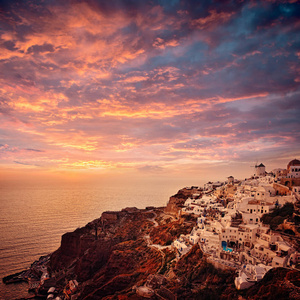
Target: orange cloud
212	20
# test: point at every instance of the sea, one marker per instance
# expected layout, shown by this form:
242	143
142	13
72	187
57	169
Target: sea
33	217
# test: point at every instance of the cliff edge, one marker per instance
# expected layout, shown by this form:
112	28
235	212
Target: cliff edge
129	255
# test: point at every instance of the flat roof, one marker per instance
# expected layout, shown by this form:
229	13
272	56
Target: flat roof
252	226
278	259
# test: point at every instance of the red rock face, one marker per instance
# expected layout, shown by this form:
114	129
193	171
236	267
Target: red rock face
107	267
91	262
68	251
70	244
165	234
175	204
118	257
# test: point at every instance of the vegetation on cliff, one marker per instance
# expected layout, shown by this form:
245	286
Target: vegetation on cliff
278	215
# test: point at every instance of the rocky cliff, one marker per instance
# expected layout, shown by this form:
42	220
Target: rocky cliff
114	260
176	202
127	255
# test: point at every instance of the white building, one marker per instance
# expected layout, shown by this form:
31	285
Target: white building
229	235
210	239
293	169
249	275
251	218
279	261
182	245
252	206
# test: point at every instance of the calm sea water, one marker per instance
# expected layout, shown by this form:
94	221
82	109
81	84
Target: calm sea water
34	217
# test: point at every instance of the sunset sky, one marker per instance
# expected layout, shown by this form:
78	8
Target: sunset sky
160	88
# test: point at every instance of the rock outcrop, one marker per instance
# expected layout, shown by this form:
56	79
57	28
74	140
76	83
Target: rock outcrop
176	202
278	283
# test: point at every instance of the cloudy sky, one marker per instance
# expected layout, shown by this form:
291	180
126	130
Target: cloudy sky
148	88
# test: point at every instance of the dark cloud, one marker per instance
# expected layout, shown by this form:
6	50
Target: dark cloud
5	4
272	14
36	49
34	150
26	164
10	45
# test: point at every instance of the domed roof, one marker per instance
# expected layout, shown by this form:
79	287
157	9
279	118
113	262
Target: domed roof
294	162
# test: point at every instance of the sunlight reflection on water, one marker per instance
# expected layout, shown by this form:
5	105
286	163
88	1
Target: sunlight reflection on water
33	218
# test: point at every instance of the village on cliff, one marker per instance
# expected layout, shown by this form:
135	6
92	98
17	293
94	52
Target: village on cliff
230	227
242	228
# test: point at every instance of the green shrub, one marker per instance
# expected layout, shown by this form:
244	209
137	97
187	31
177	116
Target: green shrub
278	215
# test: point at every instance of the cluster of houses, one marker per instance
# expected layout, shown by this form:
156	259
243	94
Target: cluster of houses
229	227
